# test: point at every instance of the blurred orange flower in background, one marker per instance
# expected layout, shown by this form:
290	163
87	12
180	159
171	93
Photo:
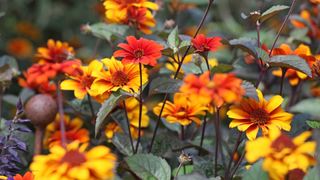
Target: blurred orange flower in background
202	44
20	48
74	131
55	52
304	52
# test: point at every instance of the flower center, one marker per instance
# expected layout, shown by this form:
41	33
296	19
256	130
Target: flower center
259	116
74	158
87	81
119	78
283	141
138	53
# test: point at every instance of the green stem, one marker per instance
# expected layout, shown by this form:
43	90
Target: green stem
238	142
128	123
140	109
217	125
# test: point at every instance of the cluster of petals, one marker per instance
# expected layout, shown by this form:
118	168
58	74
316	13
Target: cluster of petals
203	44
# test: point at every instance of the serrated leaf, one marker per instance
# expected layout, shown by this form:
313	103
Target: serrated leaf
250	90
262	54
164	85
106	31
122	143
256	172
173	40
291	61
308	106
246	44
148	166
222	68
313	123
106	108
272	11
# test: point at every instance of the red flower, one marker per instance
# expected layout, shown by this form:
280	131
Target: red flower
203	44
141	50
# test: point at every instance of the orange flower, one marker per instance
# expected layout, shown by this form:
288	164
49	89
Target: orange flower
27	176
55	52
304	52
222	88
81	84
184	110
74	132
305	15
140	18
29	30
141	50
202	44
251	115
19	47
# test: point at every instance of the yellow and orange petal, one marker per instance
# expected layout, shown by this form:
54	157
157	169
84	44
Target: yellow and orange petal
132	107
183	110
75	162
27	176
73	130
125	76
55	52
251	115
81	83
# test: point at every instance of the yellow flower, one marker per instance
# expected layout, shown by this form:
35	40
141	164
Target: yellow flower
81	84
111	129
281	153
74	163
184	110
118	76
74	132
117	10
251	115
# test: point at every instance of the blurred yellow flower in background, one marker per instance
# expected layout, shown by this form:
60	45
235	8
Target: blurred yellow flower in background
281	154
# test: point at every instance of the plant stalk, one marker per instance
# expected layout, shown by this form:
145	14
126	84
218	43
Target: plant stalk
140	109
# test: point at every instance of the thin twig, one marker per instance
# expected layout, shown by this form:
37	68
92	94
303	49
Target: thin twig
179	167
140	109
91	107
237	165
238	142
203	132
217	124
177	72
283	75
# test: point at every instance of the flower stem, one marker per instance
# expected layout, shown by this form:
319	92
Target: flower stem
1	96
217	125
140	109
238	142
179	167
38	140
177	73
91	107
283	75
237	165
61	116
203	132
128	123
282	26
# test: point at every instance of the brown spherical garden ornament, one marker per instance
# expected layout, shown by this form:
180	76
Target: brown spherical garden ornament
41	109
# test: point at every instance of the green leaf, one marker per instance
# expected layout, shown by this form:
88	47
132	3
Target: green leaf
188	169
122	143
271	12
148	166
262	54
250	90
313	174
256	172
246	44
106	31
308	106
173	40
313	123
291	61
222	68
164	85
106	108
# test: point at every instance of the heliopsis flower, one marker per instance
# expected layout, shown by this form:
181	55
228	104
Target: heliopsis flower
117	10
251	115
141	19
307	21
81	84
74	162
27	176
141	50
304	52
183	110
74	131
132	107
202	44
281	154
19	47
111	129
221	89
55	52
119	75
